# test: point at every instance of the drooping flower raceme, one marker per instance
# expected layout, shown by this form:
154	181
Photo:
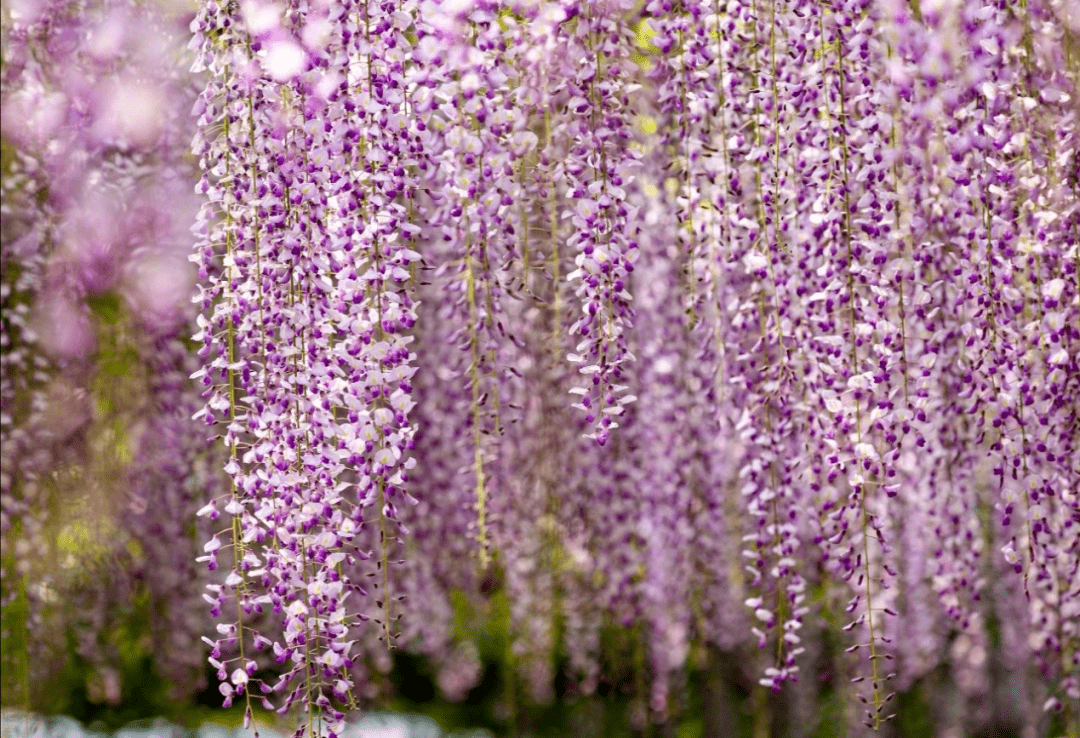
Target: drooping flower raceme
307	249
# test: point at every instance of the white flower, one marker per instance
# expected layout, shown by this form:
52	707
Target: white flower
1052	289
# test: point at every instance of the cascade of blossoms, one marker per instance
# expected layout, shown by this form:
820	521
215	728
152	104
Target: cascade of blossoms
665	487
880	458
310	307
828	171
473	188
840	237
596	171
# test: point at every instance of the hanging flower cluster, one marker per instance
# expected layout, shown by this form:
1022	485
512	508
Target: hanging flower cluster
307	254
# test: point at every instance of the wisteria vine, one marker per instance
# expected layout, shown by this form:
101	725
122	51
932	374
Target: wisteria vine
732	324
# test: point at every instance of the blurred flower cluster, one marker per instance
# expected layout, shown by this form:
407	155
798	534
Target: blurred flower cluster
101	465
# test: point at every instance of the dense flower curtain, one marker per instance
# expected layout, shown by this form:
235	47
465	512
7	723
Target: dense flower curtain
731	324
